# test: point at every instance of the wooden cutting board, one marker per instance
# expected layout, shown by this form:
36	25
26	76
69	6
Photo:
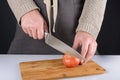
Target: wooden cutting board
54	69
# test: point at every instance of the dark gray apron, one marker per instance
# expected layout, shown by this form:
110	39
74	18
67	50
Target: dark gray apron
69	12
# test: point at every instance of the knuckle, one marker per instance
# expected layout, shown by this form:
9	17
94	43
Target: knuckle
34	37
90	54
33	26
36	24
96	44
92	41
41	37
23	24
88	39
85	50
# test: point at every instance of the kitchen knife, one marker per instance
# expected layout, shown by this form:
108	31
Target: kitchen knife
61	46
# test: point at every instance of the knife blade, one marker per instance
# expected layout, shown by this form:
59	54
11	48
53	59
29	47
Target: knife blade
61	46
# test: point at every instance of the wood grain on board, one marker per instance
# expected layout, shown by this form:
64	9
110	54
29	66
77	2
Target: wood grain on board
55	69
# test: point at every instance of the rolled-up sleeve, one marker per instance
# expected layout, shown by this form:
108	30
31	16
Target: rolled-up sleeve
92	16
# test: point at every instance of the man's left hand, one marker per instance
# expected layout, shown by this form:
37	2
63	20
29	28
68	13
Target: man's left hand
88	44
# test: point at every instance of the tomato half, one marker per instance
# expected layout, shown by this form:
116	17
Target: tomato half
70	61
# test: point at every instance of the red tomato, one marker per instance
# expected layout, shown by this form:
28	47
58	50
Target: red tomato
70	61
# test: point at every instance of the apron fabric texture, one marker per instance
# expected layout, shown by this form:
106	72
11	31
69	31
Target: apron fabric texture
69	12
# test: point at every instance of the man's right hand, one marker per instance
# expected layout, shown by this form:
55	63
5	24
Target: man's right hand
34	24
